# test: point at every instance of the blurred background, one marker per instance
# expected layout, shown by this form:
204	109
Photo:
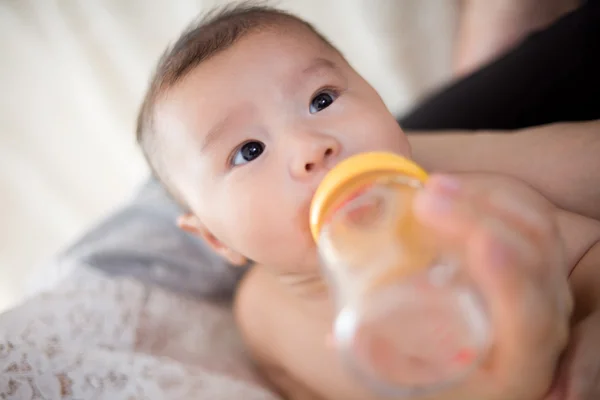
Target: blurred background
73	72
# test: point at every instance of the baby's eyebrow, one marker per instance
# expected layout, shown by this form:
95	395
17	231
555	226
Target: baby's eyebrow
319	64
316	67
214	133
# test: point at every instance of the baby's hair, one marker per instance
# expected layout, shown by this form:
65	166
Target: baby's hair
212	33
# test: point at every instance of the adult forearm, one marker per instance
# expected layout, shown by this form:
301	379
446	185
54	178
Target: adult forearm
562	161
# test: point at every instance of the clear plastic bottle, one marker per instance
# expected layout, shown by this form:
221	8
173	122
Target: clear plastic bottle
408	321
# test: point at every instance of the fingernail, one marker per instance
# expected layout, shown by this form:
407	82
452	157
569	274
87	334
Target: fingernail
434	203
446	183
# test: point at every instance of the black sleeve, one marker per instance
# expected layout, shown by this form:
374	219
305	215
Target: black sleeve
552	76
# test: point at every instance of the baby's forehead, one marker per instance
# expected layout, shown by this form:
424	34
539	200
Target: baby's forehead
261	58
264	63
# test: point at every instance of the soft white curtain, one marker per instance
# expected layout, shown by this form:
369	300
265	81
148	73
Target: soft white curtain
73	72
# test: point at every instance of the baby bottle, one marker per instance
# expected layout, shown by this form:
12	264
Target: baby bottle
408	320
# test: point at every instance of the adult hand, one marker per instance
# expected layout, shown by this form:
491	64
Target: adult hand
510	241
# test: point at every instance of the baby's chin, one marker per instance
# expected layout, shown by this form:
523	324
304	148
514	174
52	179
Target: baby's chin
300	271
305	282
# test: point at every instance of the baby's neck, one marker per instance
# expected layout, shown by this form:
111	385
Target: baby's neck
310	287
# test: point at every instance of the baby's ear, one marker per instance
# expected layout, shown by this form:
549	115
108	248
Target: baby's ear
192	224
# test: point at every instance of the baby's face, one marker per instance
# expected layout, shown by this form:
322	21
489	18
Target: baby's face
252	131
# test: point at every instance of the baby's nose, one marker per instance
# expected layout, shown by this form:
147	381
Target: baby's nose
314	156
309	166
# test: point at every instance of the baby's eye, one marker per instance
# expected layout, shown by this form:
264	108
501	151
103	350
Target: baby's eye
321	101
247	152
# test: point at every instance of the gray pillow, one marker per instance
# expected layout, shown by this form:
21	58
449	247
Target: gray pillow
142	240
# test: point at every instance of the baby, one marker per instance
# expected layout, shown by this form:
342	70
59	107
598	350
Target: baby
245	115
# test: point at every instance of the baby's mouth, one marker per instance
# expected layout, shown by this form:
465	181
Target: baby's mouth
350	197
355	212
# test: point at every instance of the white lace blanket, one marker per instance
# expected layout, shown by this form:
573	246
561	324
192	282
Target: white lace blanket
92	337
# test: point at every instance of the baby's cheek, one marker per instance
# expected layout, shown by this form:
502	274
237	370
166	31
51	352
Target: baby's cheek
289	252
270	238
379	131
395	138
